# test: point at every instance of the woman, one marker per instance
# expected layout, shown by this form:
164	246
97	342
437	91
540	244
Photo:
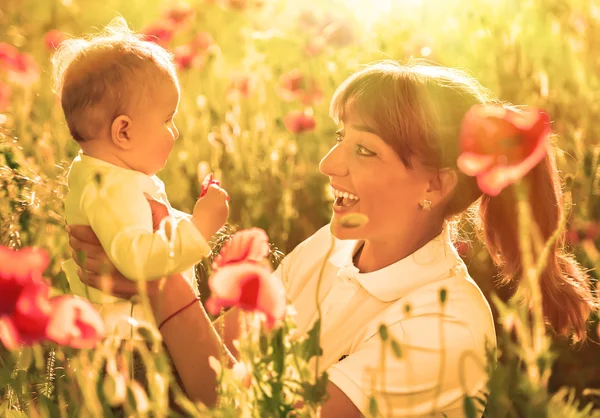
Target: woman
395	163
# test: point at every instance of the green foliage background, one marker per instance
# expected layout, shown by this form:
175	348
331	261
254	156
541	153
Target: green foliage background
536	52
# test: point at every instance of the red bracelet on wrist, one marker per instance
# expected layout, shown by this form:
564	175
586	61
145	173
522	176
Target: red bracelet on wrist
178	311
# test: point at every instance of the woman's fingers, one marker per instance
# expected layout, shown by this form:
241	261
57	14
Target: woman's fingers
118	286
100	265
90	250
83	233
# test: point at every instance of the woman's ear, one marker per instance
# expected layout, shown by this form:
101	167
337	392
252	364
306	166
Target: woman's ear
443	183
120	132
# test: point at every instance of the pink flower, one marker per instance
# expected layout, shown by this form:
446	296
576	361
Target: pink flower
202	41
181	13
572	237
53	39
315	46
500	145
160	33
338	34
292	82
8	54
250	287
26	311
592	230
21	68
18	269
240	84
293	85
308	19
74	323
297	121
186	57
237	4
207	182
462	248
245	245
5	95
25	70
27	322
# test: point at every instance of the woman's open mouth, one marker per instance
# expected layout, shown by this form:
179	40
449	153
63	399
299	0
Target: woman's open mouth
344	199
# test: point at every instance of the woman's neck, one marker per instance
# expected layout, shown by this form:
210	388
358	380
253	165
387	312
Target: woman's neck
377	254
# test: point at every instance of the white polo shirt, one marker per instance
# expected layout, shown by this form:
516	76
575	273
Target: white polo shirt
443	345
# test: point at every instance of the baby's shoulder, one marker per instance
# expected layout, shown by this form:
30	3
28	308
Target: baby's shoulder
103	180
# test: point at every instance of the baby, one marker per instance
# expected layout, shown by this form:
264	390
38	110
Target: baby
119	94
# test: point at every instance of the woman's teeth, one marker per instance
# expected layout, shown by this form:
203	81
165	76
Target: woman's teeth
345	199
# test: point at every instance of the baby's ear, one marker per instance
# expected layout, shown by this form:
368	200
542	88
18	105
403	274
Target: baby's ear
120	132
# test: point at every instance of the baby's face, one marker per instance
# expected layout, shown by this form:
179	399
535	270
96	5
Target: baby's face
154	131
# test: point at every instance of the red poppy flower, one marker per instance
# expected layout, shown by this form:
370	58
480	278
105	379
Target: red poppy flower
21	67
294	85
245	245
338	34
186	57
17	270
202	41
53	39
181	13
297	121
28	315
160	33
8	54
27	322
240	84
315	46
501	145
208	180
74	323
249	286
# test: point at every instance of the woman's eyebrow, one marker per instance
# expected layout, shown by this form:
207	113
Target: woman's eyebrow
364	128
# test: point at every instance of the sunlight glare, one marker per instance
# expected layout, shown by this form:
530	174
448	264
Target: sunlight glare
370	11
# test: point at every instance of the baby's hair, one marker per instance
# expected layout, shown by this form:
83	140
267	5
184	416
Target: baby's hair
99	77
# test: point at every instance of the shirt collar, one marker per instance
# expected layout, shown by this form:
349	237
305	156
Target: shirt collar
424	266
158	185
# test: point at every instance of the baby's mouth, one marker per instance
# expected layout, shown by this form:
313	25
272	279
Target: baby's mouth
345	199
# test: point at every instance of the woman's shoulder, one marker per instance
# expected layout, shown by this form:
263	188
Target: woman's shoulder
455	299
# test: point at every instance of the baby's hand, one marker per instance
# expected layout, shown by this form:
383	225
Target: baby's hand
211	211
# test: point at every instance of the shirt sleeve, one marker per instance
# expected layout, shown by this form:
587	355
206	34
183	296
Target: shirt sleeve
435	370
122	220
181	215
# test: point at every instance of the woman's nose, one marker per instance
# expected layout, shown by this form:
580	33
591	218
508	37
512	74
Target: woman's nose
333	163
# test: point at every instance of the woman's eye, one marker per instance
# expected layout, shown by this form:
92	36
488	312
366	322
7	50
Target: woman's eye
360	150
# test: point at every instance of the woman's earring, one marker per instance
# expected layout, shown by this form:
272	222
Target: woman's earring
426	205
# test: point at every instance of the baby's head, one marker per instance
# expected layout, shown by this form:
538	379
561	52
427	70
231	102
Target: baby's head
119	94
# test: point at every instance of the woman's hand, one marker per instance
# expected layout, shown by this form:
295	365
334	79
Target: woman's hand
95	268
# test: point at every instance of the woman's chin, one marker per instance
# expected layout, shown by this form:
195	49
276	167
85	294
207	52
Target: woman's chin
343	230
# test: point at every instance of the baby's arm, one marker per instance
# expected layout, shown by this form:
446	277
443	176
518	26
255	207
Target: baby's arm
121	218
